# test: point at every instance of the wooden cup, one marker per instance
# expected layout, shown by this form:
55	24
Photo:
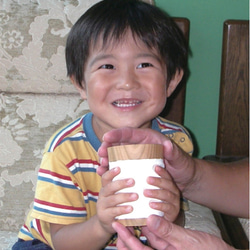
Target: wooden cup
137	161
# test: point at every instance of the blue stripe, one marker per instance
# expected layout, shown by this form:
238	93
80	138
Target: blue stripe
59	213
173	128
92	199
90	133
26	233
40	178
81	169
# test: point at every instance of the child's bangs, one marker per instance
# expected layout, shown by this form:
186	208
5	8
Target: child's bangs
117	34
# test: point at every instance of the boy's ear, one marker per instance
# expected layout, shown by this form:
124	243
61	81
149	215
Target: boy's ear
174	82
79	88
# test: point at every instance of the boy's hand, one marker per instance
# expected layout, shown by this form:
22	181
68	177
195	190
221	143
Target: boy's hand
168	193
109	199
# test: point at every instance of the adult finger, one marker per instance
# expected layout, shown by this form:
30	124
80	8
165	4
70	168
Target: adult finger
127	240
180	238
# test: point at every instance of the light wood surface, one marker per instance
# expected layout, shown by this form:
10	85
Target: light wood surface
135	152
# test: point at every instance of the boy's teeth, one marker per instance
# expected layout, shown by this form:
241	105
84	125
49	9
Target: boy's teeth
125	104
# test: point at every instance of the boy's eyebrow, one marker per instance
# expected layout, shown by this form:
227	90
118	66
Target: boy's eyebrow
105	56
149	55
100	57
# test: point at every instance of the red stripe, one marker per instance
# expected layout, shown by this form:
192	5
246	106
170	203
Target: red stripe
175	128
26	227
90	192
39	228
82	161
67	133
60	206
45	171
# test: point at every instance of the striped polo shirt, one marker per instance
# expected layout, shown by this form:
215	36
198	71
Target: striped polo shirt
68	185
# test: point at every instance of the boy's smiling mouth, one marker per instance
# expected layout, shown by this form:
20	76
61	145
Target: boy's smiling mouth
126	103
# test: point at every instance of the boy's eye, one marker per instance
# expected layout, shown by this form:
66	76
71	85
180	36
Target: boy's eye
144	65
107	66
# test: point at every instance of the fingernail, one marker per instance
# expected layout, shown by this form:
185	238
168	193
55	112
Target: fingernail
130	182
150	180
134	196
100	160
115	169
154	222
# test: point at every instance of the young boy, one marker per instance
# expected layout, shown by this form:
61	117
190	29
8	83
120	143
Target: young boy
125	57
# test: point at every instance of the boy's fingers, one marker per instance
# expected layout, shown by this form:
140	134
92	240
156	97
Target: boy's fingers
103	168
102	151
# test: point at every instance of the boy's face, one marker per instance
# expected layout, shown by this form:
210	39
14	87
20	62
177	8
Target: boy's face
125	85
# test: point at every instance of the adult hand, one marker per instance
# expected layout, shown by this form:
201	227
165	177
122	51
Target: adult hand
162	235
178	163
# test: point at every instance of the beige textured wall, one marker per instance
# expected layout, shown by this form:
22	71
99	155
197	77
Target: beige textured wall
36	96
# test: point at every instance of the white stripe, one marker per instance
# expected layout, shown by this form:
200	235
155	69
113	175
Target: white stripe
143	238
83	165
79	134
34	224
25	229
170	127
65	130
91	195
54	178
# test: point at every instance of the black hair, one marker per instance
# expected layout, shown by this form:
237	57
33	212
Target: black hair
111	19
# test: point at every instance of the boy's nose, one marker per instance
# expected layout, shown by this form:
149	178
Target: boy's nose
128	81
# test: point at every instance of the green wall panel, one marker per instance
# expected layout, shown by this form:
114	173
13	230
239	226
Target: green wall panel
202	97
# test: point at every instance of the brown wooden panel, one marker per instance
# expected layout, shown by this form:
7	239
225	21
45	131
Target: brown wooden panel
231	230
233	120
175	106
